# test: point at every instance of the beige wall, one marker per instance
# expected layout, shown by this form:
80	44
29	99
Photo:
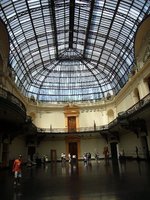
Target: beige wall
56	118
52	118
128	142
93	146
46	146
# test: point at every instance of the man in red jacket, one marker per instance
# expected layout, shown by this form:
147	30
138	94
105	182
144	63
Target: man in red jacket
17	165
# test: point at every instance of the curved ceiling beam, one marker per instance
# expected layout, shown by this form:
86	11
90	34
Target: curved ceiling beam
52	10
89	24
112	20
71	22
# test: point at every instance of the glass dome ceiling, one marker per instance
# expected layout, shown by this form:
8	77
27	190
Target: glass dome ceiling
72	50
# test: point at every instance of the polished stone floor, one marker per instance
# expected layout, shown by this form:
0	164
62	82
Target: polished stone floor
128	180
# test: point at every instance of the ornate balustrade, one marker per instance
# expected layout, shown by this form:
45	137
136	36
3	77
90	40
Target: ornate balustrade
143	103
11	98
78	130
139	105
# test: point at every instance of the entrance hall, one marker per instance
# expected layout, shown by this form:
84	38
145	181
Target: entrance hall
75	99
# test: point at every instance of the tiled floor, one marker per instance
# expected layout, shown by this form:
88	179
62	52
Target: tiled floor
129	180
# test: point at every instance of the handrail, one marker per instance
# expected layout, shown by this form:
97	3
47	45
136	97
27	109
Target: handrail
10	97
136	107
131	110
78	130
140	104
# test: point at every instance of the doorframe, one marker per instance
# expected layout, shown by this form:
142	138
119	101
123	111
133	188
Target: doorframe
53	155
71	111
71	139
76	146
74	122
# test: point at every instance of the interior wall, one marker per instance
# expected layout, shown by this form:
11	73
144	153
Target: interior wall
94	145
46	146
56	119
88	117
128	143
148	133
17	147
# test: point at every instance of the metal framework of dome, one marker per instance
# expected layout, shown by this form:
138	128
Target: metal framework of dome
72	50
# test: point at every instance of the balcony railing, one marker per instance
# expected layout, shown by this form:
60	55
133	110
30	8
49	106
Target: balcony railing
11	98
136	107
78	130
132	110
140	104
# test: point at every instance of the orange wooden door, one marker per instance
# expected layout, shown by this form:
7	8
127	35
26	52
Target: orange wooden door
73	149
72	124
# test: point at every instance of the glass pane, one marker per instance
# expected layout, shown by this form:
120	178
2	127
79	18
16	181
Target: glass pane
65	52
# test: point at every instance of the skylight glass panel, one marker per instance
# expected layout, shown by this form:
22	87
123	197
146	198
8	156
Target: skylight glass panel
52	64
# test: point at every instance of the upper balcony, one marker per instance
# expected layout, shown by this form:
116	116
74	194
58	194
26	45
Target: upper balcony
12	111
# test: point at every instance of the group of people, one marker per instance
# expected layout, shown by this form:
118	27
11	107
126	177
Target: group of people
70	158
63	157
87	157
17	164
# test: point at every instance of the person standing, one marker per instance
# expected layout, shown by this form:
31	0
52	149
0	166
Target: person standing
106	154
137	152
17	170
69	158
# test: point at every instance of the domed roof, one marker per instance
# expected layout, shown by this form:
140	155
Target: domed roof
72	50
